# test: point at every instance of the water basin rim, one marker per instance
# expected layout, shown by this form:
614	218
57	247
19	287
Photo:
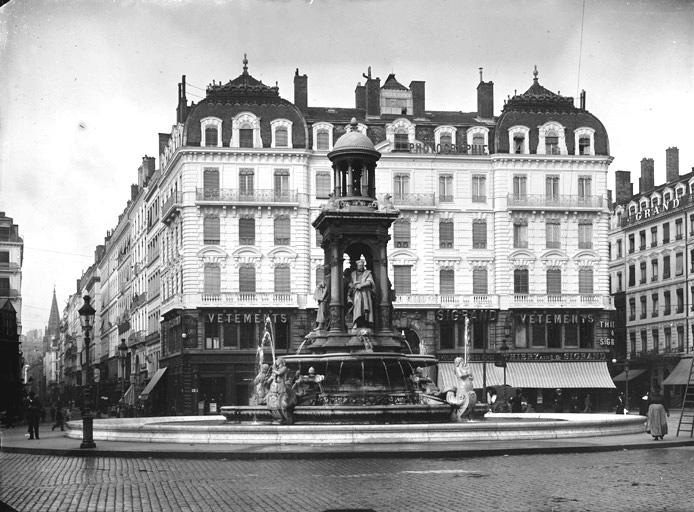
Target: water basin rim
425	360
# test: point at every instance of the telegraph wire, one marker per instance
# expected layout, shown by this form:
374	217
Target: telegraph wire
580	50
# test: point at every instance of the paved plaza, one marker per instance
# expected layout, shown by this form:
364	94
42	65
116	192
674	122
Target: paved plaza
610	473
631	480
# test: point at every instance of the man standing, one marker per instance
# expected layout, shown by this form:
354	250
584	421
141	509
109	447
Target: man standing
33	415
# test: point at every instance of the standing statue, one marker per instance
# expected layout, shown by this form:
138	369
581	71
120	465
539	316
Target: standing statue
361	290
281	398
462	397
322	296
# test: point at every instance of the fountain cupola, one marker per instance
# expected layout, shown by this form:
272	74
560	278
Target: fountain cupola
354	167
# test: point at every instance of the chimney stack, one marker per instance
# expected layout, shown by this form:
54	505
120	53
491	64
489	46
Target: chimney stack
300	90
417	88
373	95
485	98
583	99
360	96
647	179
672	164
182	107
624	188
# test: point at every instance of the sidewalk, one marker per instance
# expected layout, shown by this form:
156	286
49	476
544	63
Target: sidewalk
55	443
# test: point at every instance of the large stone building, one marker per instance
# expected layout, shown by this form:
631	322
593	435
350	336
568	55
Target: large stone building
651	267
503	229
11	259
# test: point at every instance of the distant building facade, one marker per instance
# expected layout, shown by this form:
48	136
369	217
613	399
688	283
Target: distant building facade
504	222
651	266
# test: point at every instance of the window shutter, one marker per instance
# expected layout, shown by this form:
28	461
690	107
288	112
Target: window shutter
210	136
211	230
282	183
402	276
282	230
247	279
246	231
552	234
479	234
479	281
323	139
282	279
446	234
210	178
553	281
322	185
246	178
401	233
585	281
212	278
246	138
281	137
520	280
447	281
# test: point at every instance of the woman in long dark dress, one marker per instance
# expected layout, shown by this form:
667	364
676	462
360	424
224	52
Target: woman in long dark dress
657	415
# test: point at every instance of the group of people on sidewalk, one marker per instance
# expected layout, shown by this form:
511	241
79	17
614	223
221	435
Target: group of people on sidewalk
652	406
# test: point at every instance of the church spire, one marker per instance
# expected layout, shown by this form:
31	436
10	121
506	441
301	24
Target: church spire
54	317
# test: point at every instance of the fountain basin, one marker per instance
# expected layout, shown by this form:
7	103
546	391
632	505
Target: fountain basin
494	427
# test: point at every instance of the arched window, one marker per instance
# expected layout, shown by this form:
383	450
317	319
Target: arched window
211	136
246	131
210	132
281	133
281	137
322	141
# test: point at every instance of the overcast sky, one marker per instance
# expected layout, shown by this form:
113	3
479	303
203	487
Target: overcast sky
86	85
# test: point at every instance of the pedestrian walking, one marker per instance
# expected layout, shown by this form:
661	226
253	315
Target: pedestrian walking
34	412
658	413
619	409
587	404
59	418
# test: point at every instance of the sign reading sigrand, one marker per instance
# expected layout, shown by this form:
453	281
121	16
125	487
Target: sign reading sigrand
430	147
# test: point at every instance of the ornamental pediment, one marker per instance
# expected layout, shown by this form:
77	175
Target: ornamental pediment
212	255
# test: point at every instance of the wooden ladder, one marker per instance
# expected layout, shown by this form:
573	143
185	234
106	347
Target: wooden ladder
686	423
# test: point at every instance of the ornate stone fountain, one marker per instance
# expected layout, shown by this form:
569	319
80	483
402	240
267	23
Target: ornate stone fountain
353	367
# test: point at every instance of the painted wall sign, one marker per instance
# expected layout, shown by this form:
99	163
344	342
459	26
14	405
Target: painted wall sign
555	318
244	318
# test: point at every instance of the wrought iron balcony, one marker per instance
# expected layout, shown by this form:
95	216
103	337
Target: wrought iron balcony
171	207
251	299
231	195
527	300
559	202
413	200
446	301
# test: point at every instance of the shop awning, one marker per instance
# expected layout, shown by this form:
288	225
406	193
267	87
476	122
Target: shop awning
680	375
129	396
632	375
542	375
153	382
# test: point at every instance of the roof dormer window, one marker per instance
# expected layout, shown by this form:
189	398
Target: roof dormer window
246	131
322	136
584	141
444	138
478	140
281	133
400	134
518	140
211	132
551	139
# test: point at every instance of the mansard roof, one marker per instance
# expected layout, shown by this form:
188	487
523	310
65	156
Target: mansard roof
244	87
392	83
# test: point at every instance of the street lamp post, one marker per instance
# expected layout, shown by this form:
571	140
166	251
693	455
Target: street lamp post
87	313
122	355
504	348
626	382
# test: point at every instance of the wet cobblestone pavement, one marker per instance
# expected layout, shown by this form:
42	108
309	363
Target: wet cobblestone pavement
657	479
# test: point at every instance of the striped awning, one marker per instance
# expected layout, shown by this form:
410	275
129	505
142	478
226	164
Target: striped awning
129	396
632	375
680	375
153	382
541	375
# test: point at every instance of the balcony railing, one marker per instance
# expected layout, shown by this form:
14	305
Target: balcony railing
447	301
251	299
413	200
230	195
533	201
526	300
171	206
